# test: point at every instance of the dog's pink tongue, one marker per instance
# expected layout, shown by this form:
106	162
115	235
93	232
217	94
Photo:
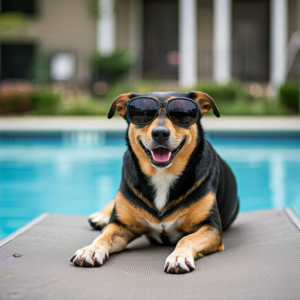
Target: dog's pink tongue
161	154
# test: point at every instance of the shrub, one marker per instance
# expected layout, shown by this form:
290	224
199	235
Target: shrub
231	99
16	97
111	67
45	102
41	67
289	95
19	97
225	92
83	105
253	107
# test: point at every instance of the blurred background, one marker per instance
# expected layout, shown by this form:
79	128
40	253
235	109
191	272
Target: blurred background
73	57
62	55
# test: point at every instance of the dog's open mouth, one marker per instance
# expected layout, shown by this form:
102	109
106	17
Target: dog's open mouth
161	156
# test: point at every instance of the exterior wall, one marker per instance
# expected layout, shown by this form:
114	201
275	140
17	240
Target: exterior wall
66	25
69	25
122	10
125	33
293	25
293	17
251	40
205	39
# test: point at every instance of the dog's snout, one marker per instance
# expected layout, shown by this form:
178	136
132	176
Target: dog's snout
160	134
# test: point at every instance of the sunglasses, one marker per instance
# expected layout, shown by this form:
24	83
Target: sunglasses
181	111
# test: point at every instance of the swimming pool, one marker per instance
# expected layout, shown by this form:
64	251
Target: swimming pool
79	172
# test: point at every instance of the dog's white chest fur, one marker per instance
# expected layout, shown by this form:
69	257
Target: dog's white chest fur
162	182
170	228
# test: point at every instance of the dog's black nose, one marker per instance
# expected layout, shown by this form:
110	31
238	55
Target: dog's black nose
160	134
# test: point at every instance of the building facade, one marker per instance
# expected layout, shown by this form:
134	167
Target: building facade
184	40
53	27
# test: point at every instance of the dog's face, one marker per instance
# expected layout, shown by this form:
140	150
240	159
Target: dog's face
162	144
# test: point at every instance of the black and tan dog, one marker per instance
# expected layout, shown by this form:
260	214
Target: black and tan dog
189	198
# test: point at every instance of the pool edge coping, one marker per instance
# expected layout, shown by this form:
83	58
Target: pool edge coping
102	124
24	228
293	216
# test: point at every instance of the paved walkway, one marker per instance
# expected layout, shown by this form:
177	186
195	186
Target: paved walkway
210	124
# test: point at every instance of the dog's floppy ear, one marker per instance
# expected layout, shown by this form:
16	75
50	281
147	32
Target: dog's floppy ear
119	104
206	102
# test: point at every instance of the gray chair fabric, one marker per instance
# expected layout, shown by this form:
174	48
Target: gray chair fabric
261	261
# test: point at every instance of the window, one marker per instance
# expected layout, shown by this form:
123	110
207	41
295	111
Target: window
27	7
17	61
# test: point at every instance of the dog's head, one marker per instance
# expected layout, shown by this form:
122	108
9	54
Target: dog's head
162	144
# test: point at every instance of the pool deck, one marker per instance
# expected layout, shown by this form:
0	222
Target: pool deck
261	261
210	124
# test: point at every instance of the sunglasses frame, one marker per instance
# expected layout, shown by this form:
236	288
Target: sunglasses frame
160	105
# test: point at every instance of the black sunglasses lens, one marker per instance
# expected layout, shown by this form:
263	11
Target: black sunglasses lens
142	110
182	112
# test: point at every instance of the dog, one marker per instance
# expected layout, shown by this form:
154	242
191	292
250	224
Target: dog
174	188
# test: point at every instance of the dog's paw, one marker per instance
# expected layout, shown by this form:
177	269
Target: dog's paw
179	263
99	220
89	257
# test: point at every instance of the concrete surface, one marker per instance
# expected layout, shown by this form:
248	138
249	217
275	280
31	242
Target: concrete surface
226	124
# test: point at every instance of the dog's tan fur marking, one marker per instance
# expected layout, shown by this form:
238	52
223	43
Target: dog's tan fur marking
194	187
194	214
107	210
198	212
141	197
130	215
134	133
119	104
206	103
181	159
114	238
204	241
178	133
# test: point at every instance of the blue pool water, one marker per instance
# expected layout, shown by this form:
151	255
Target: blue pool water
78	173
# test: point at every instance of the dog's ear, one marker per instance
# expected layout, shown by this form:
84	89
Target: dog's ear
119	104
206	102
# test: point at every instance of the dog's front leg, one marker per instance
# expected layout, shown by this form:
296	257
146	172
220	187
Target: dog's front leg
113	238
204	241
100	219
